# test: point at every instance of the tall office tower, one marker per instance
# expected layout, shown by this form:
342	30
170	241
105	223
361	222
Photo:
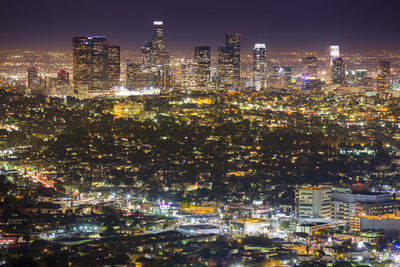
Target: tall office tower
146	53
226	70
163	61
310	66
260	66
158	43
361	76
313	202
333	52
91	60
81	64
282	77
350	77
32	77
136	78
114	66
233	41
383	76
188	75
164	81
338	70
202	57
98	62
62	78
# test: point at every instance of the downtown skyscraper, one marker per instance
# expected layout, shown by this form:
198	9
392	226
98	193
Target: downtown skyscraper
202	56
146	55
114	66
383	76
233	40
158	54
225	68
32	77
259	66
333	52
310	66
81	64
136	78
338	70
98	62
229	62
62	78
188	74
96	65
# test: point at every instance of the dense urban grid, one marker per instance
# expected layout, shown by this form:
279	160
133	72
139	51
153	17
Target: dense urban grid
111	157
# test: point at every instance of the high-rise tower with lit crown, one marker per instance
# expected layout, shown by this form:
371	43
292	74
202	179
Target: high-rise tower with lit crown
157	44
259	66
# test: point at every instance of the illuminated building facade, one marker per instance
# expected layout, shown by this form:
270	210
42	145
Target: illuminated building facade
313	202
389	223
233	41
259	66
281	78
163	61
96	65
349	207
62	78
350	77
345	205
32	77
383	76
157	44
146	55
310	66
250	226
311	228
361	76
136	78
98	62
202	57
274	82
188	77
114	66
333	52
81	64
226	71
164	81
338	71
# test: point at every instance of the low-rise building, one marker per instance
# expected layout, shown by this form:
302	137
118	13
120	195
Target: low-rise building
313	202
311	228
198	229
250	225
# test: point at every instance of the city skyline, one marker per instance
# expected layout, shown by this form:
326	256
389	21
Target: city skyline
180	133
307	25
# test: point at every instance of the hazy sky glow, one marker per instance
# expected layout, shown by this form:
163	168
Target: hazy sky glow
283	25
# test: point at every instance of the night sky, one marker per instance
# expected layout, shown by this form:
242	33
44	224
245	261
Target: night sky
362	25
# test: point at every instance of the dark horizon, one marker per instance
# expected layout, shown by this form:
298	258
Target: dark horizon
308	25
